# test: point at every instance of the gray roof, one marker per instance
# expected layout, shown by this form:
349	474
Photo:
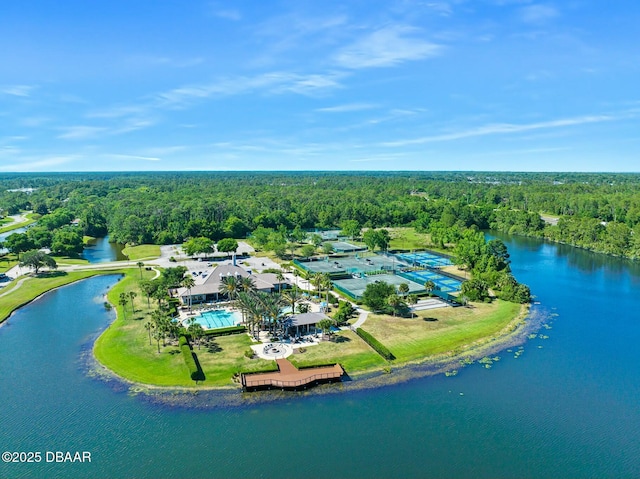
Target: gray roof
262	281
303	319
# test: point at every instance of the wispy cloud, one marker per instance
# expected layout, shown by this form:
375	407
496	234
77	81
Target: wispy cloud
348	107
80	132
115	156
158	61
386	47
504	128
538	13
272	82
17	90
39	164
228	14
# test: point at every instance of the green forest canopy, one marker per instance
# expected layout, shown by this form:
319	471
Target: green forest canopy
598	211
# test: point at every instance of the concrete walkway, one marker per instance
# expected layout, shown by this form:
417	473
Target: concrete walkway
364	314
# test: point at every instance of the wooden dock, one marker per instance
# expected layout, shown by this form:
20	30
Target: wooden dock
290	377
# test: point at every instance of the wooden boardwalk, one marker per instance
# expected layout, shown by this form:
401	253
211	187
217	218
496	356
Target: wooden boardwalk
290	377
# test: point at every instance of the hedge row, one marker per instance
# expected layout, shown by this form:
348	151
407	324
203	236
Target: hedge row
379	348
190	359
225	331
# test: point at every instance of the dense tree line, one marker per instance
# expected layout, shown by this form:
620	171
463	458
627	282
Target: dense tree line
596	211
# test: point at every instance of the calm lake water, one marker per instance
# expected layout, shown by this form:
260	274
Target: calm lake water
567	406
103	251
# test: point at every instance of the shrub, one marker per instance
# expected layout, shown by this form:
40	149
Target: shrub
212	333
190	359
380	348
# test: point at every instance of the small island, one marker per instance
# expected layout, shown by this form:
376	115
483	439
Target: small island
229	319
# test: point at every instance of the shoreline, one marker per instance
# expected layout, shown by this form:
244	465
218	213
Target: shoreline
515	333
31	300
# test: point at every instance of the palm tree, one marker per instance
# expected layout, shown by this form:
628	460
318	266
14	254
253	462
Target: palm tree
162	323
326	285
280	278
157	335
122	301
247	284
325	325
188	282
403	289
149	327
316	280
272	307
196	332
140	264
429	286
243	303
293	295
230	287
412	299
132	294
148	287
395	302
255	313
160	294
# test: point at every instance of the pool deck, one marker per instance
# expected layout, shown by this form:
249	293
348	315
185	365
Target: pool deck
290	377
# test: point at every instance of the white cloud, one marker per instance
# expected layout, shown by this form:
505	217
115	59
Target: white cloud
131	157
538	13
503	128
43	164
273	82
228	14
80	132
347	108
387	47
17	90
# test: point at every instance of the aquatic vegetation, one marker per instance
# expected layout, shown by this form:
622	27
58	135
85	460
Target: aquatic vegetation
451	373
487	361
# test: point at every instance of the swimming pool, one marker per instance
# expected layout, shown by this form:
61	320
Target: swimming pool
218	318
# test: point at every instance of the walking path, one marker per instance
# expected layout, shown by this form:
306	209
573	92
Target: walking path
361	319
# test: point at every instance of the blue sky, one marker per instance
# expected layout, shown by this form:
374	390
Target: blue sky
513	85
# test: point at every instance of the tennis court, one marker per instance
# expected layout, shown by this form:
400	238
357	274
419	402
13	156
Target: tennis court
356	286
425	259
446	284
344	247
352	264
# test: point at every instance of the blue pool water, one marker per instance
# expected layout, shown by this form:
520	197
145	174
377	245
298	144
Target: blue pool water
219	318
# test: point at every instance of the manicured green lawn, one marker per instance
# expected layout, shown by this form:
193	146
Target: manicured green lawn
347	349
441	330
143	251
31	288
7	262
63	260
124	348
408	238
